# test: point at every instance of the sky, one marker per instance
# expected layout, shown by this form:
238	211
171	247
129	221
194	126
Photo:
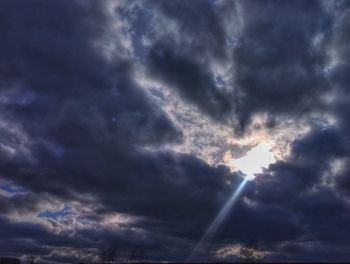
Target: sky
131	124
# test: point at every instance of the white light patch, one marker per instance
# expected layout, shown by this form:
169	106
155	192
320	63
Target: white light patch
254	161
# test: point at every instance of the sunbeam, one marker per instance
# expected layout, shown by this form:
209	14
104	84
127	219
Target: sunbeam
218	221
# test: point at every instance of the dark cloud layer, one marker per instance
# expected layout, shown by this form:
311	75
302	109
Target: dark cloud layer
79	131
279	60
192	80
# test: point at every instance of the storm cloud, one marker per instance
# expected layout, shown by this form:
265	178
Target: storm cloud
115	117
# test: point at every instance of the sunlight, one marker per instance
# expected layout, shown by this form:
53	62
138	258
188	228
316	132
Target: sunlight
218	221
252	163
257	158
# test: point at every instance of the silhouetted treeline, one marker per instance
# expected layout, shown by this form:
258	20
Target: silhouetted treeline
9	260
111	255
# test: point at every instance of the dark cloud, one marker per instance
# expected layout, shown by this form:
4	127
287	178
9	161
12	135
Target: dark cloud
193	80
78	129
300	186
198	21
279	59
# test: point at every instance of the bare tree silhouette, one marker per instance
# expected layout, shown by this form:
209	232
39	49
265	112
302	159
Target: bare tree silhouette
108	255
250	253
136	256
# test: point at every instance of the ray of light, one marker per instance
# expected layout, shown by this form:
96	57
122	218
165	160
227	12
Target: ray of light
218	221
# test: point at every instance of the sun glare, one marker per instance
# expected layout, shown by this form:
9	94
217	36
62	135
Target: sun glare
252	163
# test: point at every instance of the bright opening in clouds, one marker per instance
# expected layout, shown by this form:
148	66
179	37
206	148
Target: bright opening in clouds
255	160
